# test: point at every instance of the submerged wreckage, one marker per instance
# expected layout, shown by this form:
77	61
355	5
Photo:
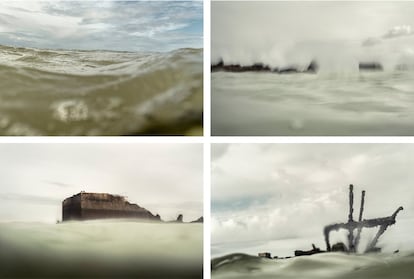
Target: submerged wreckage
352	226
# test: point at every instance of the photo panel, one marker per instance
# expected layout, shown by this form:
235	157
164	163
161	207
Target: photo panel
312	211
101	68
312	68
102	210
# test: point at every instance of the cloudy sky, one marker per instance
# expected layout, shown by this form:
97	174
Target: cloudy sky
110	25
278	197
163	178
290	32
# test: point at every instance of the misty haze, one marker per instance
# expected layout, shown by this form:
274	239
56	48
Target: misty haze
312	68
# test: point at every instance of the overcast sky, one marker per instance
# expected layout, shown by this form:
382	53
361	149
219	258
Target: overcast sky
36	178
110	25
278	197
282	33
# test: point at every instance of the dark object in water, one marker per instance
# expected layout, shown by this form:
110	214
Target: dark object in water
313	67
265	255
260	67
370	66
315	250
90	206
199	220
287	70
257	67
339	247
351	225
374	250
179	218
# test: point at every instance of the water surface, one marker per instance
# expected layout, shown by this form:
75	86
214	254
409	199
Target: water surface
64	92
101	249
328	265
365	103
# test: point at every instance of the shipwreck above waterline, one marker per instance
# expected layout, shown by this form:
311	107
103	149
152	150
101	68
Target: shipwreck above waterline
90	206
353	228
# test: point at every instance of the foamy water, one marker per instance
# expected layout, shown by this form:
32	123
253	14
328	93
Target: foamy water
110	249
352	103
328	265
62	92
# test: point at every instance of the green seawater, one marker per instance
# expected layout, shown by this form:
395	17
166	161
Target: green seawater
327	265
101	249
65	92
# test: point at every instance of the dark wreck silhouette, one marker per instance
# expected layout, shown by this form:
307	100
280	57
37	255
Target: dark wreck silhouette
312	68
93	206
260	67
352	226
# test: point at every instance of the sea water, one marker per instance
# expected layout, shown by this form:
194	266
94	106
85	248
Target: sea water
103	249
327	265
70	92
351	103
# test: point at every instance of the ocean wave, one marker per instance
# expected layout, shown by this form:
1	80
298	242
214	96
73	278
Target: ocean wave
328	265
62	92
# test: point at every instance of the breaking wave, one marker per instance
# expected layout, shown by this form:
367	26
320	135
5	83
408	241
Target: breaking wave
68	92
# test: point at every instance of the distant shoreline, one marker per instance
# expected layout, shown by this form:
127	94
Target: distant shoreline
312	68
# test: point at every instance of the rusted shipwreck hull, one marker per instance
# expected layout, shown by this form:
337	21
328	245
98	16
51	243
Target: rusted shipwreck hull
90	206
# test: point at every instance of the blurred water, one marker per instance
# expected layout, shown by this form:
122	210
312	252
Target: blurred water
328	265
110	249
353	103
69	92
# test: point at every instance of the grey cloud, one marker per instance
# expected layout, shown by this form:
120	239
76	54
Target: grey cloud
371	42
59	184
111	25
398	31
284	190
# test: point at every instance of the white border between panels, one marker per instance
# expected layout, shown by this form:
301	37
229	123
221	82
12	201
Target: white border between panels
206	140
206	69
207	211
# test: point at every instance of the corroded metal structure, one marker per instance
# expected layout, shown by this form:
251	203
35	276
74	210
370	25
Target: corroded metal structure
89	206
352	225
